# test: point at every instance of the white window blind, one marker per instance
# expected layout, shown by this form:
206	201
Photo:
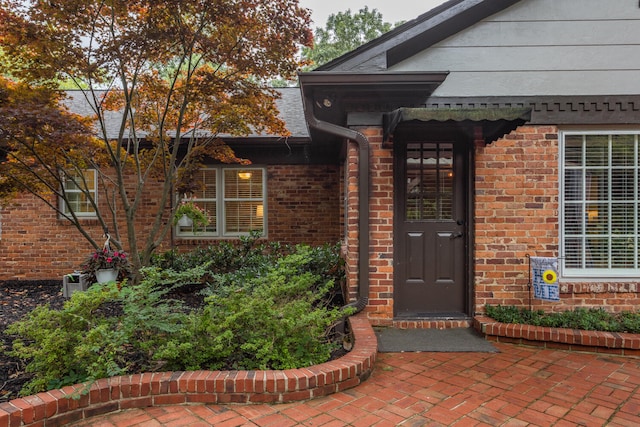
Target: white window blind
243	200
600	202
234	201
79	189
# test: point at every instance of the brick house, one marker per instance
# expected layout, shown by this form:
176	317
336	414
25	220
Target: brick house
444	154
480	134
294	197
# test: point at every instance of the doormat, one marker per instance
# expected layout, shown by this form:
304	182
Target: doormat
391	340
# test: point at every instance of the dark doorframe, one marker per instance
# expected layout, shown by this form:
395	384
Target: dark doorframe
446	239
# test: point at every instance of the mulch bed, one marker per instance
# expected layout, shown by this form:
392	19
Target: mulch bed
17	298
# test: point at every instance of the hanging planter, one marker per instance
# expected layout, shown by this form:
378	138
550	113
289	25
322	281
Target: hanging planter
188	214
106	265
185	221
106	275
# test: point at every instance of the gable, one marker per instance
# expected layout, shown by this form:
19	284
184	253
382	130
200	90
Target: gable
514	48
423	31
541	47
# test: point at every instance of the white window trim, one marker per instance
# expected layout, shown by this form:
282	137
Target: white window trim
590	274
64	208
221	232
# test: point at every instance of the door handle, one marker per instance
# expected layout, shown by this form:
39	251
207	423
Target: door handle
456	235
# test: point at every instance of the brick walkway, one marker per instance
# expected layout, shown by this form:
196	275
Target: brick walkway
519	386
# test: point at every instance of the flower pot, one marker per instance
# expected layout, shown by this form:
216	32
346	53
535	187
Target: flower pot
74	282
106	275
185	221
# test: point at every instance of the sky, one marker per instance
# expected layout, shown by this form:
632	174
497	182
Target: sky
392	10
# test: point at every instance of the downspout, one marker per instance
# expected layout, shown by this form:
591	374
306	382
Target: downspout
363	197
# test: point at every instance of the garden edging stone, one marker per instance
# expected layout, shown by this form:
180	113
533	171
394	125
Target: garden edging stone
623	344
58	407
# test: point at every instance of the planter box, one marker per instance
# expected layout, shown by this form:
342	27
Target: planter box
73	283
624	344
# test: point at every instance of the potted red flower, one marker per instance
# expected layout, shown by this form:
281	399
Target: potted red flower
106	265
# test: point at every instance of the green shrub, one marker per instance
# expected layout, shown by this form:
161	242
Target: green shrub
278	319
592	319
327	262
49	339
274	312
223	257
107	330
250	257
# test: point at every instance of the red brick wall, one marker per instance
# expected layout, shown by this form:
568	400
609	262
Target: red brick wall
380	309
36	244
303	207
381	229
516	214
352	235
304	204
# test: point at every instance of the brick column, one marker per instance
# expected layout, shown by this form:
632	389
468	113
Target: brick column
380	309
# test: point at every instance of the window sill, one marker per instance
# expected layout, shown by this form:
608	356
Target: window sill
613	279
83	219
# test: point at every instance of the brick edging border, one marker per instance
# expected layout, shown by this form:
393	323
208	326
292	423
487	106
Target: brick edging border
57	407
559	338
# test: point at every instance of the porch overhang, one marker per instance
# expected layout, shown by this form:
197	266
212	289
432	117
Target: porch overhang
334	94
496	122
328	97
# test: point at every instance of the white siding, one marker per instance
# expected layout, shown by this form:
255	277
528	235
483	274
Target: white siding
541	47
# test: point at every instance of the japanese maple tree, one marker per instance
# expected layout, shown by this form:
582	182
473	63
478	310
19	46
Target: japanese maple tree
173	76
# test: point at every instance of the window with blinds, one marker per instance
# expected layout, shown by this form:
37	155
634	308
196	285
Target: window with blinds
429	180
79	189
234	202
600	199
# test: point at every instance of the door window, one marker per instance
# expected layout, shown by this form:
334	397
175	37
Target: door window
429	192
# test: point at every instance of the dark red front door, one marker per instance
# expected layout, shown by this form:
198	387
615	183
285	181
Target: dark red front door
431	230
